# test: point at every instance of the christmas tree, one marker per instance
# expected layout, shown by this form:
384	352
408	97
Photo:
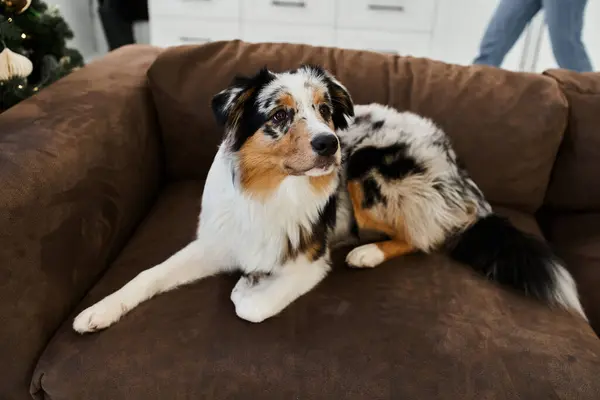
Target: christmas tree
33	50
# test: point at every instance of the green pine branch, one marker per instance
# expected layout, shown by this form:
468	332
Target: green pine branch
13	91
9	31
40	33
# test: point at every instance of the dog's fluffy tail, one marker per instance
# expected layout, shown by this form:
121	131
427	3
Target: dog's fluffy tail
504	254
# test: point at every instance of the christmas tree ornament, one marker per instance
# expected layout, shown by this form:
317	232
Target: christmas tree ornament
19	6
37	39
13	64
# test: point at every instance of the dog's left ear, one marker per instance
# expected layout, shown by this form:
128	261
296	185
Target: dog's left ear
343	106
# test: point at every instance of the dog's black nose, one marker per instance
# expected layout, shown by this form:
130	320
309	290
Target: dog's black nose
325	144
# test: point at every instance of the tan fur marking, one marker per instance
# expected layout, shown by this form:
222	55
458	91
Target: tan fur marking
375	219
322	184
364	218
394	248
399	244
264	163
299	155
310	244
313	251
318	99
260	169
287	100
318	96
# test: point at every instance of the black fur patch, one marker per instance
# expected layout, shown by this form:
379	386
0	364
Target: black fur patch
371	193
269	131
377	125
502	253
255	277
313	242
392	162
329	212
243	110
354	229
361	119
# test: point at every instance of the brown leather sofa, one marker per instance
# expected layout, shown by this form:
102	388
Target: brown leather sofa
101	176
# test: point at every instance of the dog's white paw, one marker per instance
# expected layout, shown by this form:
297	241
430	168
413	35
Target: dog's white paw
240	289
367	256
99	316
254	308
252	300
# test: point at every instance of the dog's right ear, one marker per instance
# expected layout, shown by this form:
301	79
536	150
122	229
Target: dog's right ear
223	103
227	104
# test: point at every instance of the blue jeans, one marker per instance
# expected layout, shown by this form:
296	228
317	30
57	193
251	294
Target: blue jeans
565	22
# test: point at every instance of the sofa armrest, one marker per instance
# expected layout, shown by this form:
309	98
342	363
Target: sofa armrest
576	239
80	165
574	182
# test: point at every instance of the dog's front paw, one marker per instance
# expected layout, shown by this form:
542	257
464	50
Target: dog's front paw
252	301
241	289
254	309
366	256
99	316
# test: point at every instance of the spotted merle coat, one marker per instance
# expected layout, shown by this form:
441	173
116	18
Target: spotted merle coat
403	178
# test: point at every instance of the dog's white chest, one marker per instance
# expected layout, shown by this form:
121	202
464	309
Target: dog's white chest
253	234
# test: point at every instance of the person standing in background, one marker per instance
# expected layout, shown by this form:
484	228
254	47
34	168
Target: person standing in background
118	16
564	19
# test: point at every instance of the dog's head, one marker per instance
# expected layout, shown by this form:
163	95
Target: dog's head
281	124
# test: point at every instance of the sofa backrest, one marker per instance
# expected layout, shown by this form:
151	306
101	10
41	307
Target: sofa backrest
575	182
505	126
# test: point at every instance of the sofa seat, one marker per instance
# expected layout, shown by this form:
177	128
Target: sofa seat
418	327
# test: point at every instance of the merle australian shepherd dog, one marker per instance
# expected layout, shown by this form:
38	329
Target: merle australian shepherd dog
301	168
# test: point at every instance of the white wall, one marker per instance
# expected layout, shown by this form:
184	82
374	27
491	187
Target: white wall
82	17
78	15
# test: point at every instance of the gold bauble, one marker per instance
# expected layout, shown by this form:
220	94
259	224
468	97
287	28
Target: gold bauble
18	6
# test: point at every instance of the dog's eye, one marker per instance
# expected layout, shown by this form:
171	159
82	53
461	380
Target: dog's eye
279	117
325	111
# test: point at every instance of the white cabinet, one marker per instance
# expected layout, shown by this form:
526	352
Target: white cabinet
291	21
386	15
393	26
446	30
168	31
313	35
299	12
202	9
403	43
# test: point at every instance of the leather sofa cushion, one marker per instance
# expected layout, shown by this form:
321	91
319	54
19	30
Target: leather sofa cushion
418	327
506	126
575	184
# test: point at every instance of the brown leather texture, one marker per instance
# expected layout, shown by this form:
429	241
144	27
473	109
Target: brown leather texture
79	167
576	179
420	327
576	238
523	115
